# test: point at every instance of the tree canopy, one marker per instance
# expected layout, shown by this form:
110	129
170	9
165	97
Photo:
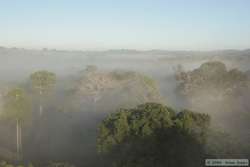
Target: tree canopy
42	81
153	135
212	77
109	90
16	105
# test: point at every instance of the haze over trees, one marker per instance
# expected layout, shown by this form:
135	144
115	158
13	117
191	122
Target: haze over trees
17	108
223	93
109	90
212	77
75	91
123	108
42	82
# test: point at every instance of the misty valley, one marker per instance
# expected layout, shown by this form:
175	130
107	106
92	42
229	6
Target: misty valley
123	108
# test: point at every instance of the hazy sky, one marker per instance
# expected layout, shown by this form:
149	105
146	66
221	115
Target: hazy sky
131	24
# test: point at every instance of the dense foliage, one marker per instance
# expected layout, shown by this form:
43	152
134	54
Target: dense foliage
42	81
109	90
17	108
222	92
153	135
147	135
16	105
212	77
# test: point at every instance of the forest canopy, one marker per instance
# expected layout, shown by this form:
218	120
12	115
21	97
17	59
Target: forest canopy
153	135
212	77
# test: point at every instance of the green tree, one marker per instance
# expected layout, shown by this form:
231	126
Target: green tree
212	77
42	83
153	135
17	107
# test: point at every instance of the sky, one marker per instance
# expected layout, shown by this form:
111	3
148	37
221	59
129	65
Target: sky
125	24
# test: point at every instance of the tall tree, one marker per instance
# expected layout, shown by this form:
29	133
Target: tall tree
42	82
153	135
211	78
17	107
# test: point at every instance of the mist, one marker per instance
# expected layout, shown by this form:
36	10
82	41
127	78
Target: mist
90	85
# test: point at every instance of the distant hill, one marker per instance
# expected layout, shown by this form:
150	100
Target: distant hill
133	51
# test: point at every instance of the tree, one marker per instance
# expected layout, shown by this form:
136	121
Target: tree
42	82
108	90
17	107
153	135
213	78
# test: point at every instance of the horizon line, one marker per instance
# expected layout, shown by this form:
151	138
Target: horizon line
122	49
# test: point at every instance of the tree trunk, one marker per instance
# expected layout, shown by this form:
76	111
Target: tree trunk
20	141
17	140
40	107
